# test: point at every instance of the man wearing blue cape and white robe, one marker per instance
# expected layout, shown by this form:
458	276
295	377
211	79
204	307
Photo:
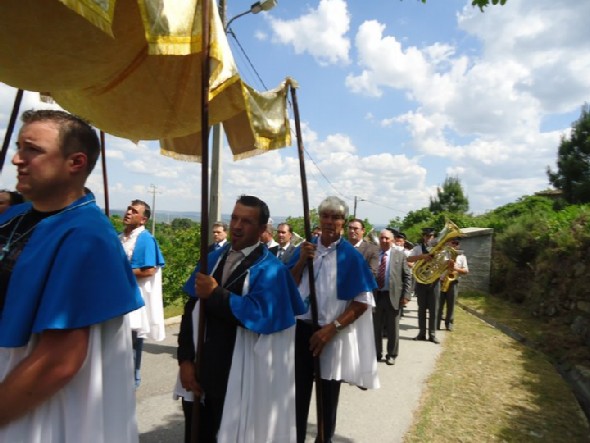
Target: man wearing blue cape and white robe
65	287
247	383
147	262
345	340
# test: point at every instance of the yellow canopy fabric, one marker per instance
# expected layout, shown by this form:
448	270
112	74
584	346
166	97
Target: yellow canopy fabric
132	68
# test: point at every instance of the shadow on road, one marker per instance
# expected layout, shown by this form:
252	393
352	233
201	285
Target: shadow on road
171	431
155	348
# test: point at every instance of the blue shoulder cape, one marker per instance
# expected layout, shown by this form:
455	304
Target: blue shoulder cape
353	274
273	300
72	273
147	253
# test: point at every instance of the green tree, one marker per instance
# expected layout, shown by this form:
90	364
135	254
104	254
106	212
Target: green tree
450	198
117	222
572	177
297	223
482	4
420	216
183	223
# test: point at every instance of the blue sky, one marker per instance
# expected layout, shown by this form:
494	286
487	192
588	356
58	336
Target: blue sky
394	96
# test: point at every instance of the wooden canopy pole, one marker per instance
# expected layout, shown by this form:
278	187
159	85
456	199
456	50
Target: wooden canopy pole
312	294
10	128
205	69
105	181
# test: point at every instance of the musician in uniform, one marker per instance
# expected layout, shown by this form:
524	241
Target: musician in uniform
450	286
427	294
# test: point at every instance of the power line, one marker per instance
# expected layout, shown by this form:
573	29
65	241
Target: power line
233	34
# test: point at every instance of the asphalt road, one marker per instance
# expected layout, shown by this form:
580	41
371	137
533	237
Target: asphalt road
382	415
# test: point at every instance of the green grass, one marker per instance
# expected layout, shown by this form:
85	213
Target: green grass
174	309
487	387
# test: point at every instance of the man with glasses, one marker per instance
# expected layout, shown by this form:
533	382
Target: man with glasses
356	233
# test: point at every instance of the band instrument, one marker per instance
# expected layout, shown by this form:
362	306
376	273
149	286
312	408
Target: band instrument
429	271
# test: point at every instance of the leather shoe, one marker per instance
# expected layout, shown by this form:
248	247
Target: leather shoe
420	337
450	327
379	357
390	361
434	340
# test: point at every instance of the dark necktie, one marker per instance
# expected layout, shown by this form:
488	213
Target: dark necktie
280	252
381	273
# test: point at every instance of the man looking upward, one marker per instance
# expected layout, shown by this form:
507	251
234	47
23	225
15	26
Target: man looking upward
147	262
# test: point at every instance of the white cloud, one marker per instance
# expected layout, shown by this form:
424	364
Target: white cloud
320	32
114	154
474	111
260	35
483	114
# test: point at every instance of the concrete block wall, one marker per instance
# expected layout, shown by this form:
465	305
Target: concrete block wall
476	244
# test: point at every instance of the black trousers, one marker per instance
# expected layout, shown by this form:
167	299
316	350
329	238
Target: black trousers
448	298
427	301
209	420
304	372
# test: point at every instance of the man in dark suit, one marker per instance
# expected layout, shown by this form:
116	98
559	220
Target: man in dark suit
219	236
356	233
393	290
284	250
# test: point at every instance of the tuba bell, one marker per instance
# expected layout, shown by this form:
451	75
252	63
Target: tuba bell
447	280
372	237
427	272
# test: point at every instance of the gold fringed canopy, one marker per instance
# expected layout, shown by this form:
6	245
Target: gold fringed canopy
132	68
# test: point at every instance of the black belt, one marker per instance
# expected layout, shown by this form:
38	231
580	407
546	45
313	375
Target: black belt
382	292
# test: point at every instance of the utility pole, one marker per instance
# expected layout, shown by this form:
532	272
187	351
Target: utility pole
153	191
355	201
217	144
217	147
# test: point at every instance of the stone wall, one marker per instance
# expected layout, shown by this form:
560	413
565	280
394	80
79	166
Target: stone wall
476	244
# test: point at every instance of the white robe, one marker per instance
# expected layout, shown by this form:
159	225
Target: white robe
259	404
350	356
147	321
96	406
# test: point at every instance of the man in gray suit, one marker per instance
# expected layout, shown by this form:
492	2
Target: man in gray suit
284	250
356	233
393	291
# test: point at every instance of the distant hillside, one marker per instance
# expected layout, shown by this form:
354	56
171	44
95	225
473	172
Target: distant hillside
168	216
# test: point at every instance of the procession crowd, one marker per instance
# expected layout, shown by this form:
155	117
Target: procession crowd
266	321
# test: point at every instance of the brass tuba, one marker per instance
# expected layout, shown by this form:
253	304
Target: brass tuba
427	272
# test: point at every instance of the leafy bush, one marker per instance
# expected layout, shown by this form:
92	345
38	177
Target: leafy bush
179	243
